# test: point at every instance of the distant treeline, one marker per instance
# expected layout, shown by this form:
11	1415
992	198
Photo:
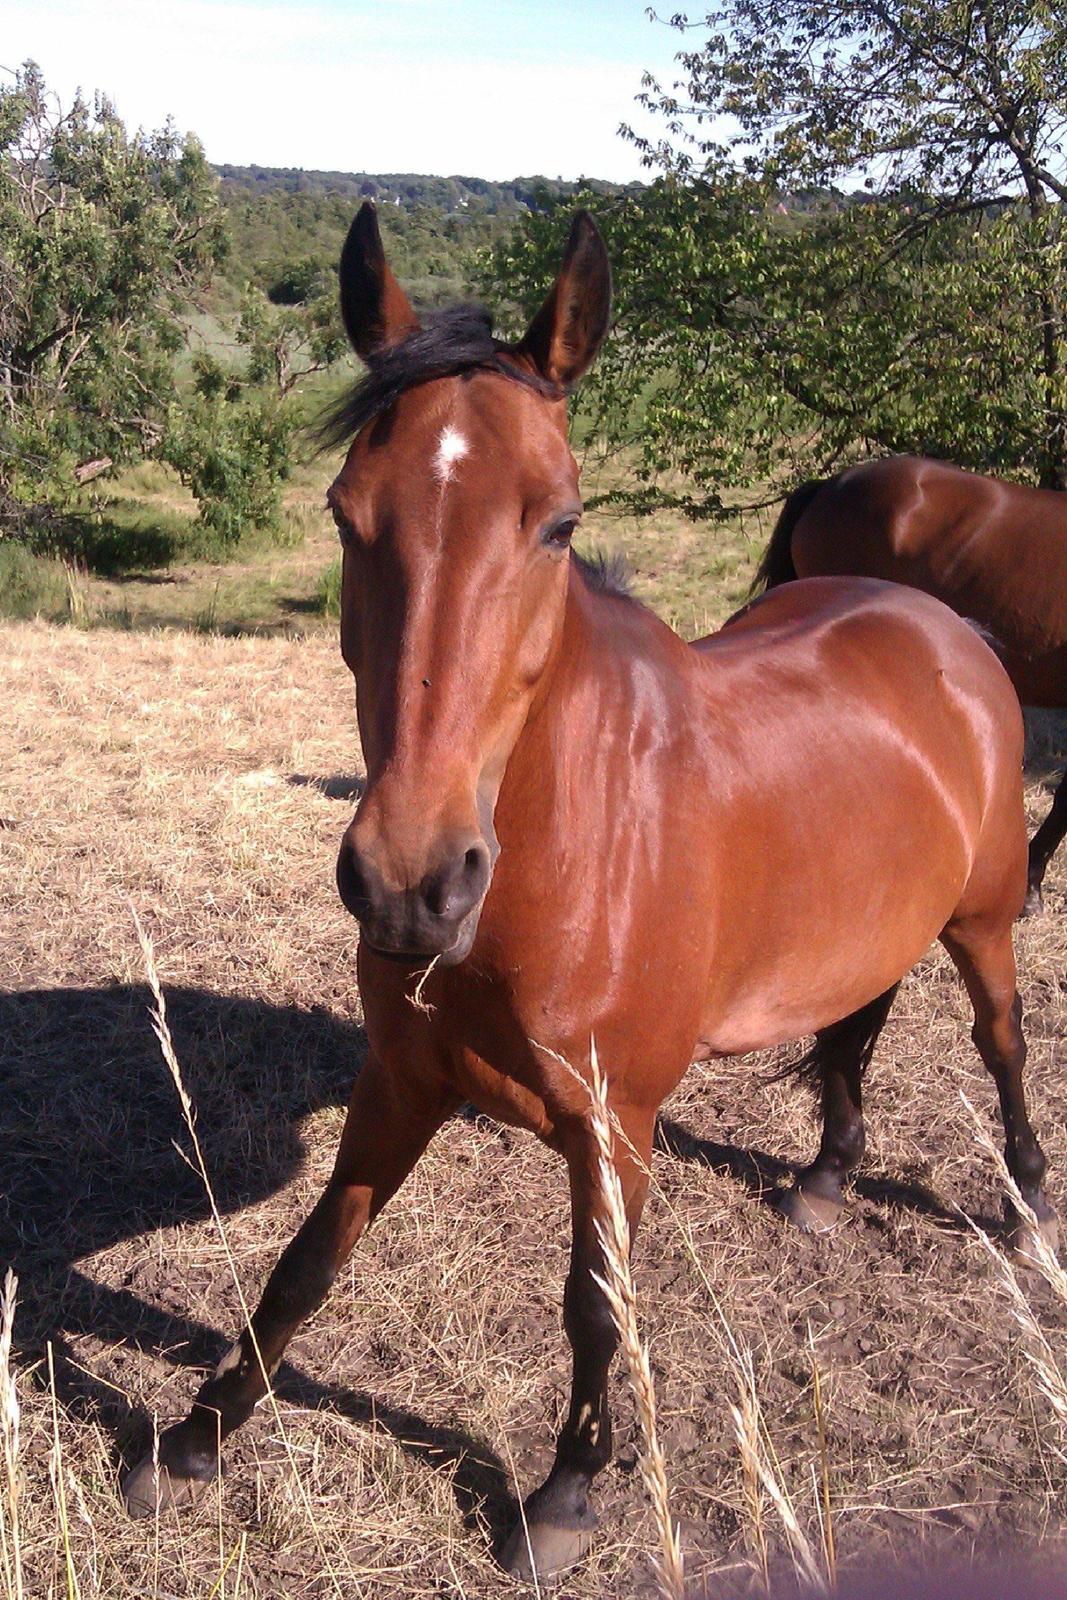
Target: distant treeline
410	191
286	226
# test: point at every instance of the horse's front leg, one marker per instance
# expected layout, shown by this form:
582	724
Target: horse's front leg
392	1117
557	1520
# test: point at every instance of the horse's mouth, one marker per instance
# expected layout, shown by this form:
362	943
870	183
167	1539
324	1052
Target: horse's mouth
451	956
409	958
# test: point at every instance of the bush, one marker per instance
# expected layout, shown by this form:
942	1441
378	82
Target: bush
329	596
31	585
233	455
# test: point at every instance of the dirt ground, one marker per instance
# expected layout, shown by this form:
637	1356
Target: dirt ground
205	781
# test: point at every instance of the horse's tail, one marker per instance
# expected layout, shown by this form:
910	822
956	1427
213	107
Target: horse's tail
856	1034
777	564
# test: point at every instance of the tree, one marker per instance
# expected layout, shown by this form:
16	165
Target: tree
104	237
856	244
959	106
294	331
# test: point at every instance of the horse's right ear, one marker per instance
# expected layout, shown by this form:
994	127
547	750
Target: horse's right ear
375	309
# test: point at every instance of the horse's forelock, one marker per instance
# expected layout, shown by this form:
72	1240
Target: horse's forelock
449	344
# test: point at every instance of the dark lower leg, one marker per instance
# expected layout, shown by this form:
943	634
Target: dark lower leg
841	1056
987	967
1002	1046
557	1518
843	1138
1043	846
295	1289
387	1128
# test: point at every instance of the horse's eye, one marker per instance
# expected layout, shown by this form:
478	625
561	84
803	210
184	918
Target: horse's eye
345	529
561	532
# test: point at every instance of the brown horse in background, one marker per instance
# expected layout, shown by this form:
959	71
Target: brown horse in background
571	815
995	552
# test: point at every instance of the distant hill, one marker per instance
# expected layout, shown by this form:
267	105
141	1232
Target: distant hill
410	191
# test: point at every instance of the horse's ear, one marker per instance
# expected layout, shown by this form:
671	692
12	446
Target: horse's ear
564	337
375	309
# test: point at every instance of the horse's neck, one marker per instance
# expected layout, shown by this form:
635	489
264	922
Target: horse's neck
610	651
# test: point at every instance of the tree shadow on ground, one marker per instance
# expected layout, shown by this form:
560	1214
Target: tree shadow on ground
97	1153
338	786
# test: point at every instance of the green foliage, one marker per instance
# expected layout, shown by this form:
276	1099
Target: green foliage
233	454
328	599
103	236
288	242
106	241
769	326
289	341
31	585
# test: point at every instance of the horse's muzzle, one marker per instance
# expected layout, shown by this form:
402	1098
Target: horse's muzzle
438	917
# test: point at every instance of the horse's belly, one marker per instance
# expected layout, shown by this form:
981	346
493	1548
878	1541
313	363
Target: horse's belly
838	906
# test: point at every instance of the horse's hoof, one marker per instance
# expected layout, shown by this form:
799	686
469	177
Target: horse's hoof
1025	1245
1033	905
543	1552
811	1213
151	1488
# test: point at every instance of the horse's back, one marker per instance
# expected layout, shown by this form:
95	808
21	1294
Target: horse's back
866	641
993	551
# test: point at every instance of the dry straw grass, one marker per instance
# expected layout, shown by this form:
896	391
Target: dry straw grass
209	780
617	1283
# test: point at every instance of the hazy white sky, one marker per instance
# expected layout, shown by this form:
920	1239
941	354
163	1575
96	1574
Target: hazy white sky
447	86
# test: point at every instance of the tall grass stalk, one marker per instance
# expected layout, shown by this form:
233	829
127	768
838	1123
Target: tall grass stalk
10	1531
759	1464
613	1233
161	1029
1047	1368
59	1491
762	1473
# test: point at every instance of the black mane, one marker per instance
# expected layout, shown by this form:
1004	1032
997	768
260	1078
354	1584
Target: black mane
606	573
451	342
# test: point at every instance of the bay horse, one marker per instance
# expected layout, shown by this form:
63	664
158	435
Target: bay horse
576	826
995	552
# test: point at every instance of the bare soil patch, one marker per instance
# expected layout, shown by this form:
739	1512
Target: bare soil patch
207	780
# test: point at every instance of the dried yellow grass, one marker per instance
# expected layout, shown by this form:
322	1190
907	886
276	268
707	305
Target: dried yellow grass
617	1283
10	1535
209	780
1049	1367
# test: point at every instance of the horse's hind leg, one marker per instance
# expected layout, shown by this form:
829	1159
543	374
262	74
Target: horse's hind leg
840	1057
557	1519
1043	846
986	963
391	1119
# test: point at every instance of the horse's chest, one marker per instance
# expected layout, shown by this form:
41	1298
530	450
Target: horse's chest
498	1094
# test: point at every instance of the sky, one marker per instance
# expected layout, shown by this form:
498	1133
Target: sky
494	90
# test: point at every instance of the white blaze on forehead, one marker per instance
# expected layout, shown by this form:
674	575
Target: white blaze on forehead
451	447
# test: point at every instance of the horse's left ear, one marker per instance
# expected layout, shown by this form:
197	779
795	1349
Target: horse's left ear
564	337
376	311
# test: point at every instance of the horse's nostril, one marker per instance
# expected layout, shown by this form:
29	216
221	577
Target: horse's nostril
351	882
457	886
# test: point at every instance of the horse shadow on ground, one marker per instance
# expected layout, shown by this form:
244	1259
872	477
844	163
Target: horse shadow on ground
96	1154
764	1175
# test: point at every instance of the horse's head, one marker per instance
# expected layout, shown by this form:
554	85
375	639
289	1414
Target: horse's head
455	506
